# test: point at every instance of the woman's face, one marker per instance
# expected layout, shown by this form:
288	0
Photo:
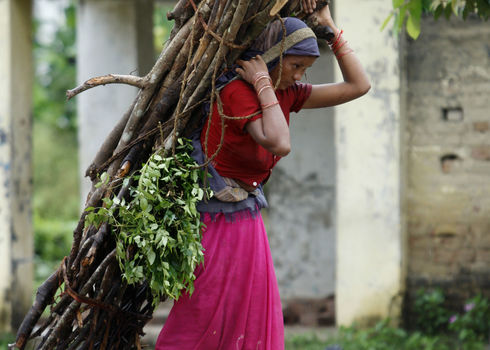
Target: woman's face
293	69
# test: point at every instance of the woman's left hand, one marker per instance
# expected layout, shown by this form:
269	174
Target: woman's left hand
324	18
248	69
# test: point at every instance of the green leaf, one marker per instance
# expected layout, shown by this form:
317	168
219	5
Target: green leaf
107	201
438	11
413	22
413	27
387	20
448	11
151	256
143	203
397	3
400	19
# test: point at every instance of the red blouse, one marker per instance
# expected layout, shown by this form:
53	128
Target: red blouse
240	156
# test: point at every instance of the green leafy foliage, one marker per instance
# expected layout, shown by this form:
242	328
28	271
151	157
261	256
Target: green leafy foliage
161	25
380	337
52	242
55	155
158	231
474	323
431	315
470	328
6	339
410	12
55	73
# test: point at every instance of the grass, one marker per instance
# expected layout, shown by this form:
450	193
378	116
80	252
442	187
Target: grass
5	339
379	337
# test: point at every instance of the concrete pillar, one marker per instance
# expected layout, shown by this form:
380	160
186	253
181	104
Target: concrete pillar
301	194
16	251
113	36
369	229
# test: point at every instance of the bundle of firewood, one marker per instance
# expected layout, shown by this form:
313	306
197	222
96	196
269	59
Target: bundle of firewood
86	302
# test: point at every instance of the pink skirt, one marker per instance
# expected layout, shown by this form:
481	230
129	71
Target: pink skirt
236	302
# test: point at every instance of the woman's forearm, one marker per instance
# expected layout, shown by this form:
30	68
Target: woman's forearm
271	131
355	80
274	132
352	71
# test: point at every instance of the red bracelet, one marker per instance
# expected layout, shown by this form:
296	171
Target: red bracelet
264	107
337	49
332	46
344	53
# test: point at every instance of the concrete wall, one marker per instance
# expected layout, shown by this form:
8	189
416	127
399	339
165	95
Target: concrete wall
369	228
448	158
301	194
15	161
113	36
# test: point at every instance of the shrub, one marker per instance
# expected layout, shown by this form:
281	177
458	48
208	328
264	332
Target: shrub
474	323
431	314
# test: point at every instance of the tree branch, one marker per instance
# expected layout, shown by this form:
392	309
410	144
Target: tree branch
107	79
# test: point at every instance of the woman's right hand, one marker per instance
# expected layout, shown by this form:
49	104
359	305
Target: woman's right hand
249	69
309	6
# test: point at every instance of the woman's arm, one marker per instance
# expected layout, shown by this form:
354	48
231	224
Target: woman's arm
356	82
271	131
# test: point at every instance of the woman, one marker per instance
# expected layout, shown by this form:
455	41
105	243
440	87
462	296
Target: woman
236	302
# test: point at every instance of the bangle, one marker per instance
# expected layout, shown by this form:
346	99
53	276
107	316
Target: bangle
259	79
260	74
263	88
337	49
344	53
264	107
332	46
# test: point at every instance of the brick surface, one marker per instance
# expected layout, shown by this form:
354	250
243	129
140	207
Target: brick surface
480	126
448	158
481	153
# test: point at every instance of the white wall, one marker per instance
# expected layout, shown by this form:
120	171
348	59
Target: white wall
15	161
369	235
113	36
301	194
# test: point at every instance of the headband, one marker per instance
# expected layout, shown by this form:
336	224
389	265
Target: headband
291	40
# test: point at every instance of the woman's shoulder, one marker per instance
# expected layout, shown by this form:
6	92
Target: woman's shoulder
296	95
239	91
238	85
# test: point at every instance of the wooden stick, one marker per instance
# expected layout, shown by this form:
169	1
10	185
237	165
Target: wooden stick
44	296
107	79
107	148
65	320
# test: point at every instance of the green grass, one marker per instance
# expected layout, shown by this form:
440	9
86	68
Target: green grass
5	339
379	337
308	341
56	196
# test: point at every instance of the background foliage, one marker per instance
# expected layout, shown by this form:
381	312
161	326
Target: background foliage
56	200
55	154
408	13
